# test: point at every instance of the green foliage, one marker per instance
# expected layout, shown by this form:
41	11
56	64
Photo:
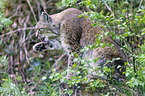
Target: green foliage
22	71
3	61
136	79
8	88
64	3
125	21
41	80
82	77
45	86
2	4
4	21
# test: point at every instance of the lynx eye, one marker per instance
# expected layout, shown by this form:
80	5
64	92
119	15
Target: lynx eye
39	31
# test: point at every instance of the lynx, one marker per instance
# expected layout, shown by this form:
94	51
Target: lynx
66	31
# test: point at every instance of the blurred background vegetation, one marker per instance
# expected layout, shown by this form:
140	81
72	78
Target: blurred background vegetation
21	69
24	72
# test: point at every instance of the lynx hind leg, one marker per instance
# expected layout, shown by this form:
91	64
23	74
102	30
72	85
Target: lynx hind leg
108	53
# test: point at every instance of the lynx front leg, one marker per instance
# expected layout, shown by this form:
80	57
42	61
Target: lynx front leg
71	51
70	62
67	47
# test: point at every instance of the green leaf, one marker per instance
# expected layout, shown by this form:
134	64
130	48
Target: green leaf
19	78
1	26
6	21
70	92
93	88
95	60
51	77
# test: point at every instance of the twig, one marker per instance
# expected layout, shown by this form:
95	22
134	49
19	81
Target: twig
109	9
12	70
131	90
117	43
16	11
35	86
30	36
32	10
75	92
140	4
56	62
38	8
12	65
44	5
16	31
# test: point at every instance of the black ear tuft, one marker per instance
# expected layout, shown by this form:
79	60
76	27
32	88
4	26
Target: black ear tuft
41	9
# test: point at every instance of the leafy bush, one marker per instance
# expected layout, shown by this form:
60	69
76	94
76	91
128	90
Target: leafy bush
125	23
3	21
26	72
124	19
8	88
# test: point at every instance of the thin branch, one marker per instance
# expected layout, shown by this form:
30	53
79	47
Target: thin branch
140	4
31	90
56	62
30	36
38	7
32	10
16	31
109	9
44	5
117	43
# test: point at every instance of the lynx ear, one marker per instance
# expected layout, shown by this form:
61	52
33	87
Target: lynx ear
41	9
46	17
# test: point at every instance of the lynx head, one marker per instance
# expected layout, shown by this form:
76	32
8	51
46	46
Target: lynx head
46	28
47	32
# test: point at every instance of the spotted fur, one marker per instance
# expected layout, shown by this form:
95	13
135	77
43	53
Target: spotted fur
74	33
